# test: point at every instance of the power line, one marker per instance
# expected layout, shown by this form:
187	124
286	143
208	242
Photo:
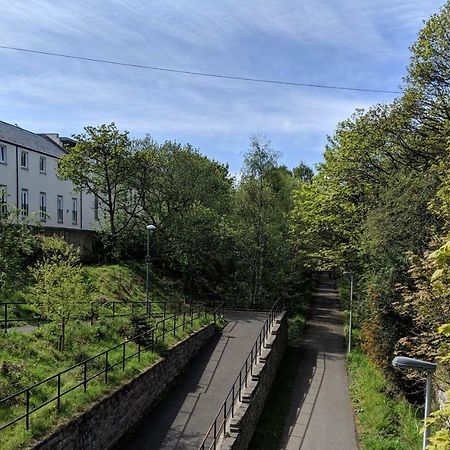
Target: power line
202	74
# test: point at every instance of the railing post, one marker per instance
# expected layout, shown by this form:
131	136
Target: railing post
27	417
174	324
123	356
58	400
225	418
106	367
215	433
85	376
6	317
184	320
240	385
232	402
164	330
139	351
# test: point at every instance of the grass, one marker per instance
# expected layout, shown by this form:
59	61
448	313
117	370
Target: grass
385	421
27	359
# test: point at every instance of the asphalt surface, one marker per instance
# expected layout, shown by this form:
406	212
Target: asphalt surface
321	415
181	420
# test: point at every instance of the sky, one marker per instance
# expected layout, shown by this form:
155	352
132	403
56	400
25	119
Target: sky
362	44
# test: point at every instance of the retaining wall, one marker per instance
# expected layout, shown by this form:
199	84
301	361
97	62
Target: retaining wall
102	426
247	415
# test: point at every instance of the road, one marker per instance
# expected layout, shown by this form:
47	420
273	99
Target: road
183	417
321	415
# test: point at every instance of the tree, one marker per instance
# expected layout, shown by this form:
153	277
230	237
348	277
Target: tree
303	172
17	244
59	289
101	163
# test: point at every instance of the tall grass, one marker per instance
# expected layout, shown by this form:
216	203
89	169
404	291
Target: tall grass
385	421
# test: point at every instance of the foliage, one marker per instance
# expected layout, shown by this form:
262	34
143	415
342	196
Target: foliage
101	164
59	290
385	421
17	245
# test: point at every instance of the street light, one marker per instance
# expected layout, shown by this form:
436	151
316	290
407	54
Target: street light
351	305
402	362
148	306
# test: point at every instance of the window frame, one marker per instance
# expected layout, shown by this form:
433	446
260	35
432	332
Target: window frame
27	160
60	218
3	199
43	159
43	206
25	207
4	152
74	211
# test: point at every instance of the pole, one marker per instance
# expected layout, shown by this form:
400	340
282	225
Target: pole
147	284
426	432
350	318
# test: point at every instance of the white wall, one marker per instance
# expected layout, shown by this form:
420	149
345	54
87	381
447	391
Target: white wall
49	183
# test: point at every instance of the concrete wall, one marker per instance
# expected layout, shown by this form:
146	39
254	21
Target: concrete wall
247	415
103	425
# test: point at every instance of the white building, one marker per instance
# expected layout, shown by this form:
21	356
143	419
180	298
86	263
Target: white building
28	181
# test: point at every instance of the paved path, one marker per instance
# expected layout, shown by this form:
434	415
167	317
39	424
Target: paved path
182	419
321	415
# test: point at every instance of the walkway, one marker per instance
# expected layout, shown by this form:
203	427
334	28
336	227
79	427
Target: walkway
321	414
182	419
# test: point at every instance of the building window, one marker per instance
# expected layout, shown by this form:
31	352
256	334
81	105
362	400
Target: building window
42	164
2	154
3	200
24	203
24	159
96	208
74	211
43	206
60	209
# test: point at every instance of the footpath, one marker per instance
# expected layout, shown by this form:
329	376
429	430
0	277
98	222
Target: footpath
321	415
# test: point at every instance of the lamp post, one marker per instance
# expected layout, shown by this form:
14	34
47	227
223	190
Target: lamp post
148	306
351	308
402	362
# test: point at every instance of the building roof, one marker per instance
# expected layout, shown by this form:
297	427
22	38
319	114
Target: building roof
15	135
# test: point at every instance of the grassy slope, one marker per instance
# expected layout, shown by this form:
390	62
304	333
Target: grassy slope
384	422
26	359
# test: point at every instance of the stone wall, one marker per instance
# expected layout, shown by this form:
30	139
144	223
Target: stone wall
247	414
87	241
102	426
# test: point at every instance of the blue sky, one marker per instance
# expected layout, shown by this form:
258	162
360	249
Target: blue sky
352	43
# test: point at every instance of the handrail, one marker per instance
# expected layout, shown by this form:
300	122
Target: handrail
91	315
219	425
160	326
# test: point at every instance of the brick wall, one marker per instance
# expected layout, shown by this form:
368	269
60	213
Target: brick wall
107	421
247	415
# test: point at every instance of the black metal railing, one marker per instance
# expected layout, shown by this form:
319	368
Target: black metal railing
102	363
226	412
13	313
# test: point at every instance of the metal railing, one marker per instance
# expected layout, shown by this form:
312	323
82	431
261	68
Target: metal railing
219	427
102	363
10	313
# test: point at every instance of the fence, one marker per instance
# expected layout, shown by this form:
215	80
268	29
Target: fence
147	340
13	313
219	426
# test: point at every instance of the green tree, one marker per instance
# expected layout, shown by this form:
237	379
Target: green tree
59	290
101	163
17	244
